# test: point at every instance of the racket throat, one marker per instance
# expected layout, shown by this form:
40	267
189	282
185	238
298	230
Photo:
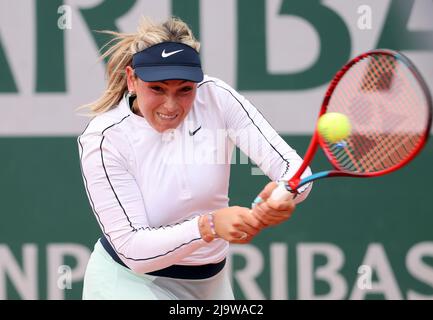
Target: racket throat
293	184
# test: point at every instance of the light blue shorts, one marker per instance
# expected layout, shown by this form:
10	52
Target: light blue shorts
107	279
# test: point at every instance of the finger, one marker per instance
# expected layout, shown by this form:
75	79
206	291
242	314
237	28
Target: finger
265	216
242	239
247	224
239	236
260	215
267	190
245	228
252	220
270	216
281	205
237	241
266	210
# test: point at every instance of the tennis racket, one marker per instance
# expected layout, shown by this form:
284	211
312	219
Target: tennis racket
390	111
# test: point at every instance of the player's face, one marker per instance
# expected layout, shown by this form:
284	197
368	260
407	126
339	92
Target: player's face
164	104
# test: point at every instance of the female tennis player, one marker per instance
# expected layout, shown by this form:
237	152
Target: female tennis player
156	161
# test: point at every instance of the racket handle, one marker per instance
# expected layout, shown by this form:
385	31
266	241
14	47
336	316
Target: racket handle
281	192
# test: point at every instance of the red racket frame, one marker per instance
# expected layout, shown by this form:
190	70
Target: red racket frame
317	140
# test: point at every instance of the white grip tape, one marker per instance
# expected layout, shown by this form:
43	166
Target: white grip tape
280	193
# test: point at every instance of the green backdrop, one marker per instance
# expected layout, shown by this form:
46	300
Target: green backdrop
44	203
351	239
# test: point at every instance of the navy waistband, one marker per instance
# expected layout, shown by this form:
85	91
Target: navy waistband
175	271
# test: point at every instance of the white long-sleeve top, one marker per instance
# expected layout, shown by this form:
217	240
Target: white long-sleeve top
147	189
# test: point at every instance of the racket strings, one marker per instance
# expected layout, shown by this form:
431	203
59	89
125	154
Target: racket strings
386	113
364	143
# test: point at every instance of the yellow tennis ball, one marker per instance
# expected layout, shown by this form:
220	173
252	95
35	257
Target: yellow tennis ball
334	127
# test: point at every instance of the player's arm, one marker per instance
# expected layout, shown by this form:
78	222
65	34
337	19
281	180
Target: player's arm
250	131
117	203
118	206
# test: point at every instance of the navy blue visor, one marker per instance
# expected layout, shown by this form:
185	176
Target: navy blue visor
168	61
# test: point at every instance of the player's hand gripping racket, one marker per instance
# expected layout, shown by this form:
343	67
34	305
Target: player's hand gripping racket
389	109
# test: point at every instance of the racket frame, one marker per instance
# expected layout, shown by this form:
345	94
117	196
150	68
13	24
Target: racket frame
295	182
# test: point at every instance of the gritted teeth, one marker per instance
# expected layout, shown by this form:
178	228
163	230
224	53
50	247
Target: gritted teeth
166	116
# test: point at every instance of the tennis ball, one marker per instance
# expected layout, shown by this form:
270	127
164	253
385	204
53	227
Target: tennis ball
334	127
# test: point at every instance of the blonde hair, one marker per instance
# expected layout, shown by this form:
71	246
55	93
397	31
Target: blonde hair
126	45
